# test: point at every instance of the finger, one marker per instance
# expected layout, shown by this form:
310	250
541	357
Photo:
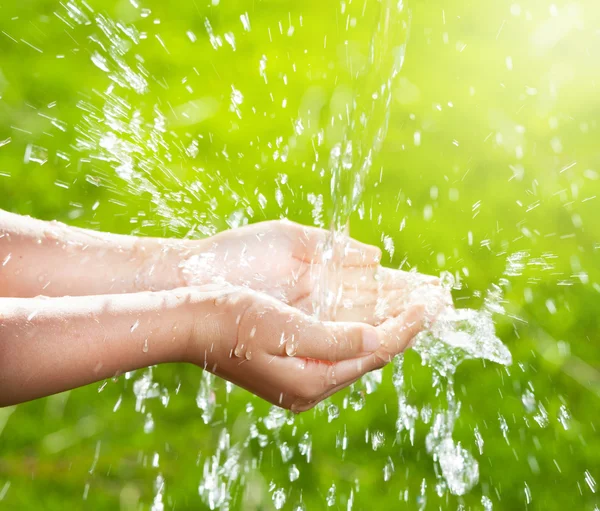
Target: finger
361	306
374	311
360	254
334	341
285	331
275	379
397	333
311	241
302	404
327	341
388	278
313	380
321	379
310	381
356	284
366	281
433	298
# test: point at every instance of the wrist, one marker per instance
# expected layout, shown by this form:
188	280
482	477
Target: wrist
164	324
201	341
168	264
215	311
198	264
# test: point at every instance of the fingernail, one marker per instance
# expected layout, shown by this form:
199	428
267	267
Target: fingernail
371	341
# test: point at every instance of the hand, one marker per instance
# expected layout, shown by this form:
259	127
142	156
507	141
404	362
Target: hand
284	260
285	356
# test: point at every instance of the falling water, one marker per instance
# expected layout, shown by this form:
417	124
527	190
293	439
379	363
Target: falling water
361	135
456	335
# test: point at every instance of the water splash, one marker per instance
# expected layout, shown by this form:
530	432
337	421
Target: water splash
221	471
455	336
458	335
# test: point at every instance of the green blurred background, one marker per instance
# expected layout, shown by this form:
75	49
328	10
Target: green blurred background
492	149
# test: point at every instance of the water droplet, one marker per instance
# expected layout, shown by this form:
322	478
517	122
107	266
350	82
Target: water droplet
447	280
527	492
245	19
148	424
239	350
333	412
275	419
503	427
478	440
230	38
36	154
100	62
305	446
206	399
118	403
377	439
294	473
298	127
357	400
4	490
542	416
528	400
564	417
591	482
279	498
388	469
330	499
291	346
286	452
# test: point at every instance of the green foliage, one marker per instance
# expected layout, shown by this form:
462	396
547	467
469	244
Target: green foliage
504	99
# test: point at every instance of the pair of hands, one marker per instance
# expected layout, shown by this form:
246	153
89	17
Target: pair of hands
258	327
240	304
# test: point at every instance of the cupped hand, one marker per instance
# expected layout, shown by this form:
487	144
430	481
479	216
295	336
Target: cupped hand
285	260
285	356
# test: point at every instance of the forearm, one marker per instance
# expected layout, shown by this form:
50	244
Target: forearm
53	259
54	344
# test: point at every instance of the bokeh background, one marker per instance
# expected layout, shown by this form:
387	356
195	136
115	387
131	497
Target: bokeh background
492	149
